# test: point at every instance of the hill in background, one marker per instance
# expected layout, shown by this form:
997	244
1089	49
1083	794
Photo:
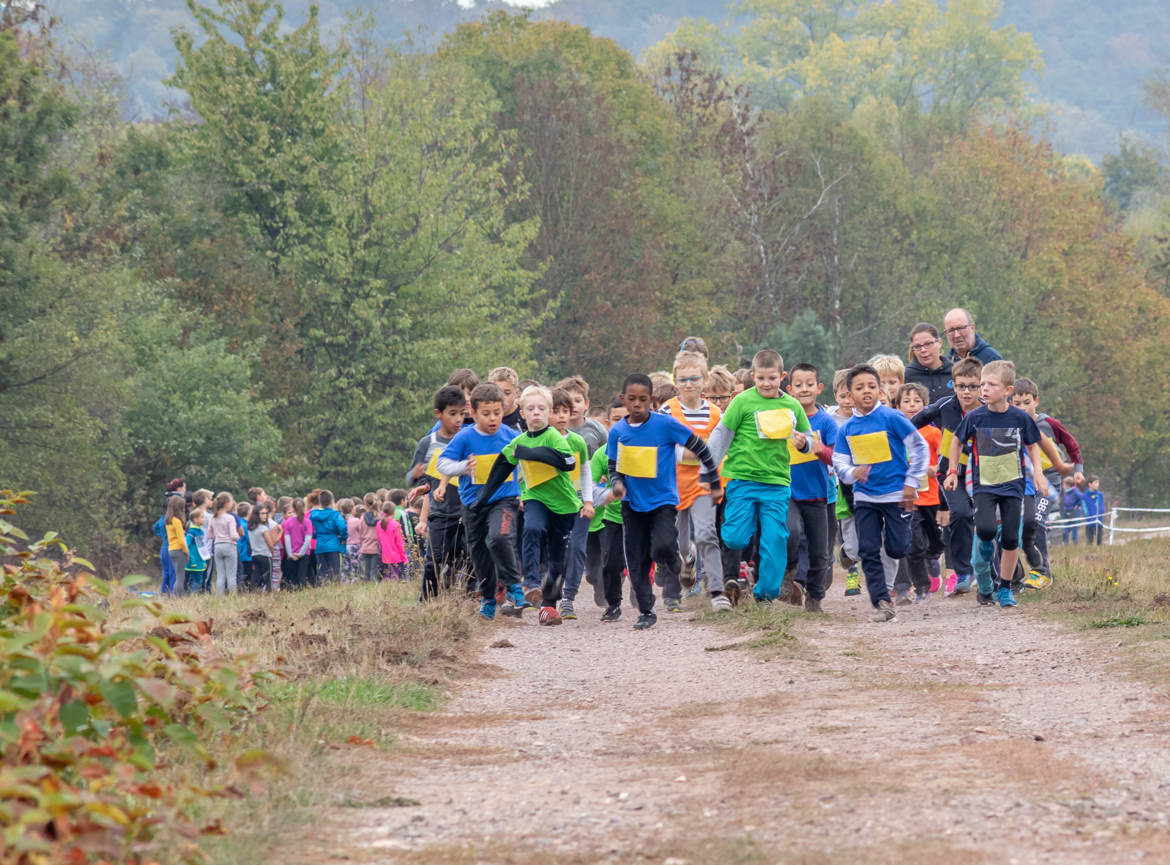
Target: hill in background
1095	53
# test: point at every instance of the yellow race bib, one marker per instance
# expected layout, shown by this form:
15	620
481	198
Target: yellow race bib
795	457
637	461
536	473
776	423
944	444
575	475
870	448
484	463
433	464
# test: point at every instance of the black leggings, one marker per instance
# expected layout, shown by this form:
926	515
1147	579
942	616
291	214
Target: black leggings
1010	508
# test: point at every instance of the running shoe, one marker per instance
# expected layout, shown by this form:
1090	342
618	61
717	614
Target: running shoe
516	597
567	610
790	593
612	614
733	592
1005	598
984	600
487	609
852	583
687	577
902	598
962	585
533	595
1034	579
884	612
646	620
509	609
952	579
720	604
673	605
549	616
812	605
921	597
935	584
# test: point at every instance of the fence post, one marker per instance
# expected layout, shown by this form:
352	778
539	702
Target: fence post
1112	520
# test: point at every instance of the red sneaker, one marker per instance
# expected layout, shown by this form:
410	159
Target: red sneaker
549	616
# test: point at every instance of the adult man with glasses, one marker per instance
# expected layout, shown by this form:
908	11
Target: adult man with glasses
959	327
927	366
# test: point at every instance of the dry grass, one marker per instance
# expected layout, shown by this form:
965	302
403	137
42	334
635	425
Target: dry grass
361	661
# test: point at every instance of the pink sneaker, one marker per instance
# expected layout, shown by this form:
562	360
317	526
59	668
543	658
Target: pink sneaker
952	579
935	584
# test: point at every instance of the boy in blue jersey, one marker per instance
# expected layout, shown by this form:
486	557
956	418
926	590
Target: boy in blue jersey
881	453
491	529
814	488
1002	436
641	457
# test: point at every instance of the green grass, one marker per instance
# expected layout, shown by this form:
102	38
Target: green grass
352	691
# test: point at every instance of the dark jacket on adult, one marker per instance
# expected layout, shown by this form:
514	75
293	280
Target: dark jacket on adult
937	381
982	352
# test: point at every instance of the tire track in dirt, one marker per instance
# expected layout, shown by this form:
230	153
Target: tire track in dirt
957	731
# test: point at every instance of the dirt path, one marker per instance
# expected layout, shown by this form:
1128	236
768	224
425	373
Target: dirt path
957	734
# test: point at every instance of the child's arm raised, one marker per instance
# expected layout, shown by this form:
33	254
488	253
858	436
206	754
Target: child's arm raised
562	461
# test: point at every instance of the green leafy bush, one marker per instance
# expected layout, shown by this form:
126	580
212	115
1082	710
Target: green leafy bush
104	711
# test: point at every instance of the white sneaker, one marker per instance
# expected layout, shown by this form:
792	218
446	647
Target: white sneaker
721	604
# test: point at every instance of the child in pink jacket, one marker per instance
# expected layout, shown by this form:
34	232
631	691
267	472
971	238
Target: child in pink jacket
392	546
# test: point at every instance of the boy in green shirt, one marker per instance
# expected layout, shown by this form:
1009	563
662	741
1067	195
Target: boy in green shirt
754	433
551	502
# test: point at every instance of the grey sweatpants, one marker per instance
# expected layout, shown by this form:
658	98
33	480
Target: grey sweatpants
701	517
227	558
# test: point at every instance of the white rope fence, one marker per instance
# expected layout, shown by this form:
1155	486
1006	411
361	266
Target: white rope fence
1111	525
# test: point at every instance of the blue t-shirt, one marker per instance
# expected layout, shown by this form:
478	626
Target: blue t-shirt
1000	443
486	448
645	456
811	479
880	440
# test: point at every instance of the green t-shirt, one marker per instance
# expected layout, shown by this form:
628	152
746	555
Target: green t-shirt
611	513
581	449
543	483
762	427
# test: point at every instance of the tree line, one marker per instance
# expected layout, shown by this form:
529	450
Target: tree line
267	287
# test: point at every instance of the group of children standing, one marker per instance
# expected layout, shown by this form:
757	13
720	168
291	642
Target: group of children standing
743	480
213	543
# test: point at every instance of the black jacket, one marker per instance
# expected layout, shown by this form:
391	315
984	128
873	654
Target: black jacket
937	381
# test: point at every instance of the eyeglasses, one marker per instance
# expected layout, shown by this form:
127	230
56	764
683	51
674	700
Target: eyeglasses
689	379
723	397
923	346
951	331
966	387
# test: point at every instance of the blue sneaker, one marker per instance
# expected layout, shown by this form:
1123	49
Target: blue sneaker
962	585
516	596
487	609
1005	598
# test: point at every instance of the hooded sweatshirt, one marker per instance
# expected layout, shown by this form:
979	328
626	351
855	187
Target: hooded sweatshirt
937	381
368	534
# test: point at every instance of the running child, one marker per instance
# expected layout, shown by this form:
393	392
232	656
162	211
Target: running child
641	466
926	541
754	433
1001	437
583	481
491	528
551	502
881	453
696	509
439	520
